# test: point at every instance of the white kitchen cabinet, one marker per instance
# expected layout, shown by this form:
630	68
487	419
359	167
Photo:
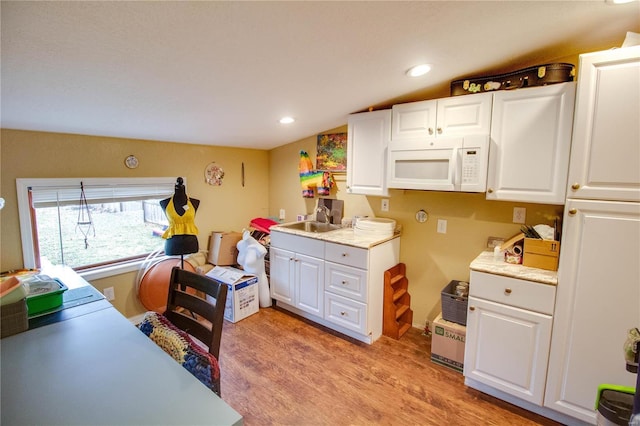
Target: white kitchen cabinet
598	276
598	301
349	299
367	140
605	162
508	334
346	286
297	275
530	144
454	116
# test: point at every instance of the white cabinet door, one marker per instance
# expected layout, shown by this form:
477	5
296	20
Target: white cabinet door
367	140
598	301
414	120
605	162
454	116
309	284
530	144
281	274
507	348
464	115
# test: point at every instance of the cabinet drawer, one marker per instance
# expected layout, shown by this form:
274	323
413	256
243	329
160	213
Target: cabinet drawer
523	294
345	312
346	281
346	255
304	245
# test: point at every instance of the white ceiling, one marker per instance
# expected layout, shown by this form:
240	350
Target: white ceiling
223	73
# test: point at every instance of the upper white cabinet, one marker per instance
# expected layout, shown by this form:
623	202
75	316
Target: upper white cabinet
605	164
367	140
530	144
454	116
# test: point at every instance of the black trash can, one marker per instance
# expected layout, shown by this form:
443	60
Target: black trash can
614	405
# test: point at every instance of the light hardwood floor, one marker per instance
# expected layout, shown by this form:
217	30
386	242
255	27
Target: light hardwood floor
279	369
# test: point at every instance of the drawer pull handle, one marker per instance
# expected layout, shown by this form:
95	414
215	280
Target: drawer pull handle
343	313
573	211
507	290
490	190
344	255
472	308
439	130
344	282
575	186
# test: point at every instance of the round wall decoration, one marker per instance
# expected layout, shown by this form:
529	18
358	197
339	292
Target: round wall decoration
213	174
131	162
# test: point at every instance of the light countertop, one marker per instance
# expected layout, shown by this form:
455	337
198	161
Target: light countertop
345	236
485	262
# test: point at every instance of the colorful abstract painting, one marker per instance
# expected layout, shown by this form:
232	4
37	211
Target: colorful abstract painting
332	152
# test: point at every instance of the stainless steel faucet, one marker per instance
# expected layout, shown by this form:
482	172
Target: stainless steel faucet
325	211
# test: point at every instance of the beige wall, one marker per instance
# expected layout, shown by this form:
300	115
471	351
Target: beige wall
52	155
432	259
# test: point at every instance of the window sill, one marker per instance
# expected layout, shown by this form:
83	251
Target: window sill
113	270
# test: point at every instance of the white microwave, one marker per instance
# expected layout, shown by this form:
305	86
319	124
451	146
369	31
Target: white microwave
440	164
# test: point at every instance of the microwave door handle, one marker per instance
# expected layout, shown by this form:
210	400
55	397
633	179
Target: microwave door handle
457	168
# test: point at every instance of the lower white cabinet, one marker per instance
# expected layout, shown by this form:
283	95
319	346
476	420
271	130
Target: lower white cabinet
598	302
508	334
337	285
297	278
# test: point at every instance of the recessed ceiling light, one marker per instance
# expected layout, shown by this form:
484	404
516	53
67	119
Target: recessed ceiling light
287	120
419	70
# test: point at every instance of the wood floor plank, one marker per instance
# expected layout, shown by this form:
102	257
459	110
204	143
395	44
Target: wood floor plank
280	369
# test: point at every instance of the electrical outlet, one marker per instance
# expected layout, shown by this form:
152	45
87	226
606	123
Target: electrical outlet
442	226
384	206
519	214
109	293
281	217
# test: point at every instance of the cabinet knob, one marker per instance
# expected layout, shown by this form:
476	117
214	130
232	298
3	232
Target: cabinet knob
344	282
344	254
343	313
430	131
575	186
472	308
507	290
490	190
573	211
439	130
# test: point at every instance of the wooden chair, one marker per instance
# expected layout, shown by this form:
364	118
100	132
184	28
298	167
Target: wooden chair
201	318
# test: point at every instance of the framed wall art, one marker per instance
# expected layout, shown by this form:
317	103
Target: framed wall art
332	153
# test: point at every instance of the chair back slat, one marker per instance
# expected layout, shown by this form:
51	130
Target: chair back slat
186	311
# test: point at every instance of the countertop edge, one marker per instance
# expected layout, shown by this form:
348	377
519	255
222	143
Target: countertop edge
485	262
344	236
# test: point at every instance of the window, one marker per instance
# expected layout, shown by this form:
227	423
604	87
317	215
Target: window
121	221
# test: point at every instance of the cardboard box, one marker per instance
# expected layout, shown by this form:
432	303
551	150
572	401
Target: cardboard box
13	318
223	249
242	292
541	254
447	343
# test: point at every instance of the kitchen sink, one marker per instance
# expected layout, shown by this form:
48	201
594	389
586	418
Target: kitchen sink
309	226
